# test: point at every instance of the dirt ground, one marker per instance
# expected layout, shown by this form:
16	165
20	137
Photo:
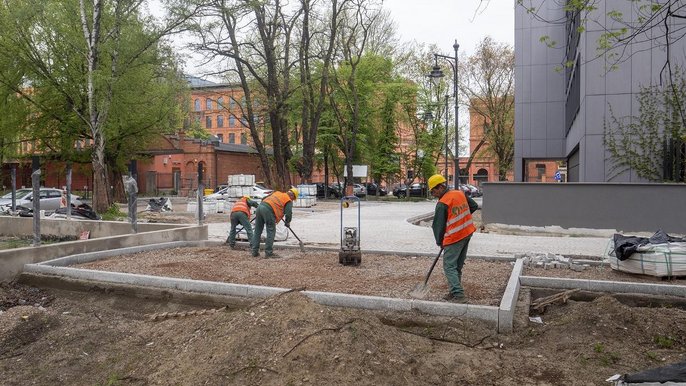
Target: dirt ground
379	275
50	337
58	337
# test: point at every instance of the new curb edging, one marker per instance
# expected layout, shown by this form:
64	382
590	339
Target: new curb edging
59	267
604	286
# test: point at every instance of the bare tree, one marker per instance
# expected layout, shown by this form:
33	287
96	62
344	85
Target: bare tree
487	83
313	99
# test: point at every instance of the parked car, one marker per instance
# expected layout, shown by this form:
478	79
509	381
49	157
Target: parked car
359	190
372	188
470	190
258	191
50	199
332	192
416	190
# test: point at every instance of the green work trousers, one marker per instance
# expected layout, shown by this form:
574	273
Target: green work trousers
239	218
454	256
264	215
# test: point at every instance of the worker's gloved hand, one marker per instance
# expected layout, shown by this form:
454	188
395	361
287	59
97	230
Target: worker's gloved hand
288	224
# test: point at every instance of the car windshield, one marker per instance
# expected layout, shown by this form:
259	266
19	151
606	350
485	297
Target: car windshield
21	193
260	187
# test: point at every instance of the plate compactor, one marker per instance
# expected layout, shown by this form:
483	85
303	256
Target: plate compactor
350	236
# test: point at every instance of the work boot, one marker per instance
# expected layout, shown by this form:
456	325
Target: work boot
232	246
255	254
455	299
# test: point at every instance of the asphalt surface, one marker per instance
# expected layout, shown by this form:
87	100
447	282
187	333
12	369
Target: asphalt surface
384	225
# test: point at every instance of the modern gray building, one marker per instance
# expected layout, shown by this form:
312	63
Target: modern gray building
560	110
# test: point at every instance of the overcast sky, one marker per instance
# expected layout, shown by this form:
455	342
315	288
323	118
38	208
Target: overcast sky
443	21
439	22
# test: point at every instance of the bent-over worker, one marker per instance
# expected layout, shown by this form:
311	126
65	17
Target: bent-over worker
240	214
270	211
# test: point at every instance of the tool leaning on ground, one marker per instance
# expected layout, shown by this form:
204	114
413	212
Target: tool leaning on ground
421	290
302	247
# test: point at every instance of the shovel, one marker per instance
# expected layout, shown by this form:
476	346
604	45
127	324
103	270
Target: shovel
302	248
421	290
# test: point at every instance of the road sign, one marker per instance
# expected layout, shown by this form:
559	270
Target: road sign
558	176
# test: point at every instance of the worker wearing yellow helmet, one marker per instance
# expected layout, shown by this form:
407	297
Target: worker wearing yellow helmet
240	214
453	228
273	208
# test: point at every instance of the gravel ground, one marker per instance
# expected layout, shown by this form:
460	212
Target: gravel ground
379	275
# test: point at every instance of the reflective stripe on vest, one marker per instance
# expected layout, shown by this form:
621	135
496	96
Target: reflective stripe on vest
277	201
459	223
241	206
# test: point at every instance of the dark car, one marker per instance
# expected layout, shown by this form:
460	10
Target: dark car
372	188
332	192
416	190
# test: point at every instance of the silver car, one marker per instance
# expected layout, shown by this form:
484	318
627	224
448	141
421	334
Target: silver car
50	199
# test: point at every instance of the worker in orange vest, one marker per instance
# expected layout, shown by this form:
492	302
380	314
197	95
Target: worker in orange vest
240	214
271	210
453	228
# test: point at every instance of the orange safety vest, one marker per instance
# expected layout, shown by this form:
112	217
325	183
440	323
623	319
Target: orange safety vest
459	223
277	201
241	206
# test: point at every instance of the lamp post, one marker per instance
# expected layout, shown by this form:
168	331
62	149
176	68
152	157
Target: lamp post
445	159
437	73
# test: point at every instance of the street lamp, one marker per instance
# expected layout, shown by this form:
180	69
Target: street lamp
437	73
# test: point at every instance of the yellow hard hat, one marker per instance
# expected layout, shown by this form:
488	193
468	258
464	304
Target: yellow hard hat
295	192
435	180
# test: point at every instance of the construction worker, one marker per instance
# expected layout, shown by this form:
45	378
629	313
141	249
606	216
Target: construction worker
270	211
240	214
453	228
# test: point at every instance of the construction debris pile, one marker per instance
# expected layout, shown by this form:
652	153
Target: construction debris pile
550	261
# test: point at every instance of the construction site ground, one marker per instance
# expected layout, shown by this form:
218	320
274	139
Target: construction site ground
53	336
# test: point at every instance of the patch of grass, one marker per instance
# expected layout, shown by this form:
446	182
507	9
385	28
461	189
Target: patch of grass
113	213
651	355
663	341
606	358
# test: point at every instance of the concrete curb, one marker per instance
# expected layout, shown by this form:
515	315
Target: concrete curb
604	286
59	267
508	303
487	313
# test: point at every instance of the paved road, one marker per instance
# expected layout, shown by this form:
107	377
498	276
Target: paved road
385	226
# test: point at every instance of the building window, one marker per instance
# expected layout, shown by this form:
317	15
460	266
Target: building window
244	122
232	137
232	103
220	102
208	104
220	121
540	170
232	121
244	139
208	122
220	137
197	105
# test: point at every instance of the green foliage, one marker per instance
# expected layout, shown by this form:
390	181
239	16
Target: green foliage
639	143
663	341
113	213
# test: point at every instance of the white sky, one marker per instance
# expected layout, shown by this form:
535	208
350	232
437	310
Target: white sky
440	22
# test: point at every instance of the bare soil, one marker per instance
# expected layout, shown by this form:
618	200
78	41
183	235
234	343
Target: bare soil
51	337
57	337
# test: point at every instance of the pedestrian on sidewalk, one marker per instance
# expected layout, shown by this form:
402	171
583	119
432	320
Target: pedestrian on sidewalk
271	210
453	228
240	214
